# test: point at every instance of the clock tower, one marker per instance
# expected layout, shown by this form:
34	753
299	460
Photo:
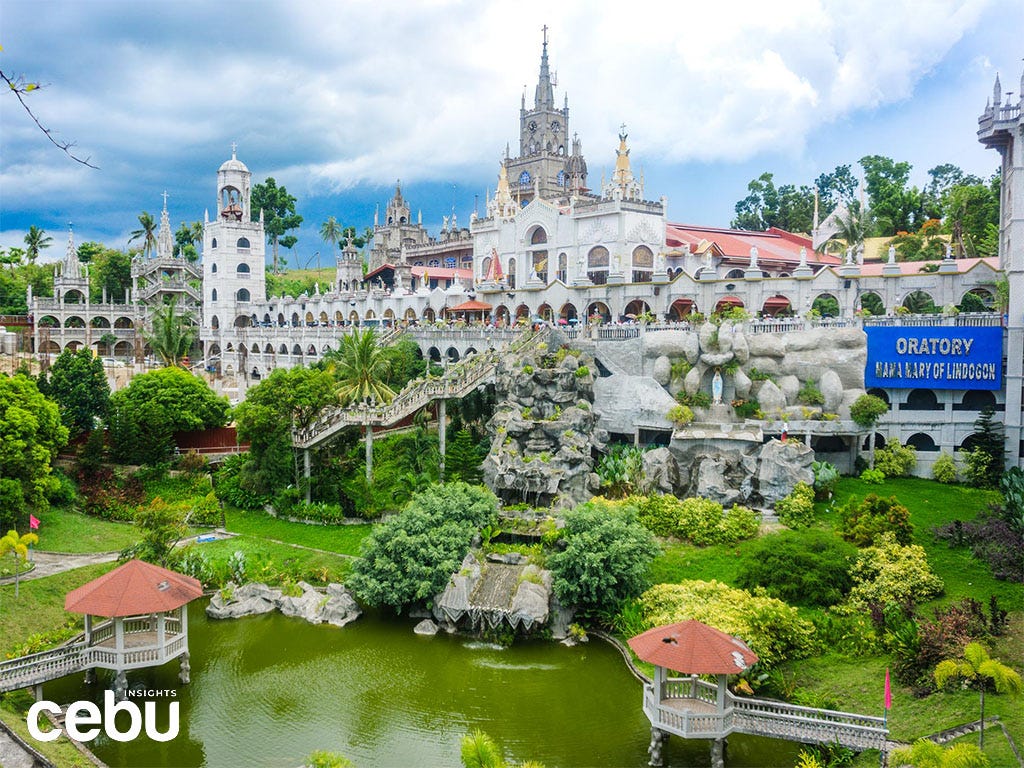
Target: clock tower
549	161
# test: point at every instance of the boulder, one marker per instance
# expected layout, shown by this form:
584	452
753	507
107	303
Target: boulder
740	348
715	359
662	372
765	345
790	386
247	600
660	471
341	607
711	482
665	343
742	384
530	602
625	401
691	347
782	466
849	398
769	365
305	606
692	381
832	389
771	398
425	627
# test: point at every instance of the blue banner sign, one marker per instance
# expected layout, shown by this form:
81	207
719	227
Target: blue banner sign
937	357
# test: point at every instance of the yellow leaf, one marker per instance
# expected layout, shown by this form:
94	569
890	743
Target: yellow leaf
31	87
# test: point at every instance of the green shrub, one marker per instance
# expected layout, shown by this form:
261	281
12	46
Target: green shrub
658	514
700	520
797	509
895	460
680	415
944	468
772	629
205	511
867	409
605	559
810	568
863	523
892	573
739	523
582	372
746	409
809	394
826	476
696	400
62	491
228	487
318	512
527	369
978	467
873	476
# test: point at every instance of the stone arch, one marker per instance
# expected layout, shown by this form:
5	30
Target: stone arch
48	321
243	321
230	347
728	302
826	304
636	308
922	441
643	264
568	312
600	309
971	442
538	235
485	266
74	322
389	316
410	315
681	308
828	444
598	260
522	311
339	318
920	303
283	349
324	318
266	318
563	266
872	302
311	351
243	242
921	400
429	315
777	306
73	346
124	323
978	399
242	295
214	349
470	351
74	296
308	319
501	315
353	317
544	312
297	350
880	442
734	274
268	349
978	299
215	322
435	354
370	315
881	394
122	348
295	320
510	277
242	349
453	355
100	322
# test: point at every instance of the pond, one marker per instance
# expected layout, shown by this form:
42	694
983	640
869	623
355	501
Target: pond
268	690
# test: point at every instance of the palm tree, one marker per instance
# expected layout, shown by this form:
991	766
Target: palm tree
977	666
36	240
147	233
172	335
331	232
17	546
928	754
479	751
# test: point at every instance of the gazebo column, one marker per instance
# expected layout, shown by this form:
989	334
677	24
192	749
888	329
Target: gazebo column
161	635
185	669
723	690
718	753
120	680
660	675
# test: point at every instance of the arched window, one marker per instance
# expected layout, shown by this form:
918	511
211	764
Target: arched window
922	442
242	269
242	295
215	322
597	265
243	242
538	236
213	295
213	244
643	264
213	267
922	400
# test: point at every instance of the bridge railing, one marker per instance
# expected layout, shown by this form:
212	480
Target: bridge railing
39	667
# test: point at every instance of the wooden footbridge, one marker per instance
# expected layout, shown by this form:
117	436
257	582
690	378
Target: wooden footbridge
693	708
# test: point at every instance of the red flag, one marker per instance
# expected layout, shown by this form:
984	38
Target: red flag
888	690
33	522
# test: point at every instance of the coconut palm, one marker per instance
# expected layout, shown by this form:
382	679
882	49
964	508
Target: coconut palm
36	240
978	667
17	546
928	754
146	233
331	232
361	368
172	335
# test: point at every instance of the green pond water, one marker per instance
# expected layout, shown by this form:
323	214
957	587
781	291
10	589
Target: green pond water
268	690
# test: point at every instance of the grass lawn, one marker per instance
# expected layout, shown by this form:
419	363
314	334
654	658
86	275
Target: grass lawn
343	539
60	752
62	530
680	561
41	604
299	563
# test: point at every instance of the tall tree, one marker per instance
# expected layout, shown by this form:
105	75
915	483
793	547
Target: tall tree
173	334
186	238
895	206
111	271
12	257
36	240
146	233
331	232
89	250
279	216
787	207
361	366
833	188
943	178
79	386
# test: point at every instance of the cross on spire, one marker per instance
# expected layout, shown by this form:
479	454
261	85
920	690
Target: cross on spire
234	146
165	196
544	29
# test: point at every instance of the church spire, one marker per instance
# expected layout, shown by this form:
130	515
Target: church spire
545	96
997	94
164	239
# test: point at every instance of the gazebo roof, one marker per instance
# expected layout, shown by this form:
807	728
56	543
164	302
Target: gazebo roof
132	589
693	648
471	306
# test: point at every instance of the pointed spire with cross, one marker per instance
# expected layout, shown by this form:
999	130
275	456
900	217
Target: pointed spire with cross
234	146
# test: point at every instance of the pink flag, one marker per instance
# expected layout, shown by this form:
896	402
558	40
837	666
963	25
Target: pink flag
33	522
888	690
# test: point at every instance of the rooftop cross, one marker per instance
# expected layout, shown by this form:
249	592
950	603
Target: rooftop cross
544	29
165	196
234	146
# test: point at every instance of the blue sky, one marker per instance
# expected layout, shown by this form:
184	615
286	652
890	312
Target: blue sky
337	100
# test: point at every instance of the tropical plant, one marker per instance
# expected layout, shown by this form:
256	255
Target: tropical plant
944	468
925	753
146	233
826	476
17	546
79	386
36	240
680	415
989	437
978	668
173	333
863	523
331	232
797	509
277	208
463	458
323	759
621	470
361	367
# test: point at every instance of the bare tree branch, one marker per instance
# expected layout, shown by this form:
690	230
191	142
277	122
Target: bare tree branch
18	86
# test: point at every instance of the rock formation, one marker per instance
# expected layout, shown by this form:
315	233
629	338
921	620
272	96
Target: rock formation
337	607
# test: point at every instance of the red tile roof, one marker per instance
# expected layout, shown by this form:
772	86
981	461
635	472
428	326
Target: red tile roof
132	589
471	306
874	268
694	649
775	245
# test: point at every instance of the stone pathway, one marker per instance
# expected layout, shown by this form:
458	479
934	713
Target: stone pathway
49	563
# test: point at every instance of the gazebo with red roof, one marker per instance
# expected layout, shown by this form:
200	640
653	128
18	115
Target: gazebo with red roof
471	310
147	608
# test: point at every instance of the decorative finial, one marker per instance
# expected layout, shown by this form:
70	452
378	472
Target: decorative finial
622	132
165	196
544	29
234	146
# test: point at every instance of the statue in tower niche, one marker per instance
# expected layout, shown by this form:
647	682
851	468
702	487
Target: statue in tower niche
716	387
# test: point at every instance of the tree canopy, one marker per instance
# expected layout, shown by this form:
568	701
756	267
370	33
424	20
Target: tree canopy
173	333
78	385
31	433
145	415
279	216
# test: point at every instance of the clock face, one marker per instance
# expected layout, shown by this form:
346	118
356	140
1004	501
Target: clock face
532	126
555	126
524	177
